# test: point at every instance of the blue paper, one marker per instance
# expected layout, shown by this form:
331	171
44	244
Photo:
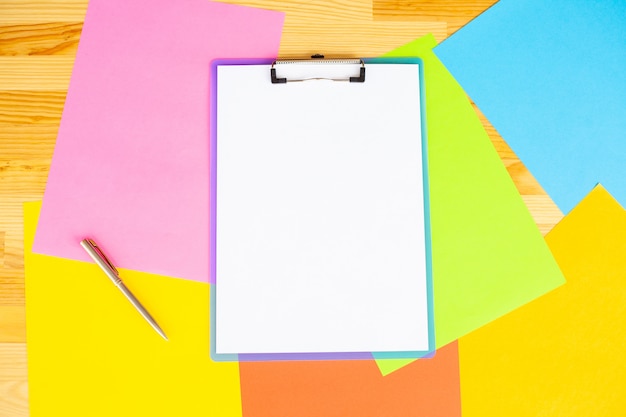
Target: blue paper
551	78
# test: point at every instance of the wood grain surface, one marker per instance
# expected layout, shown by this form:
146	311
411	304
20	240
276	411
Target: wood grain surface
38	43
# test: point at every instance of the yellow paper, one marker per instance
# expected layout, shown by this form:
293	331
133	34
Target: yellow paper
564	353
91	354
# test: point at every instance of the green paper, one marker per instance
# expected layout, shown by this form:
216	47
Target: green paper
488	255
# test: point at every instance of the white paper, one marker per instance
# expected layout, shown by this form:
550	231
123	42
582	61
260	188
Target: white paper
320	215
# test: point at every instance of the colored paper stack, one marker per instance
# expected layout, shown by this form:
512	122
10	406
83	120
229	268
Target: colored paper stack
131	167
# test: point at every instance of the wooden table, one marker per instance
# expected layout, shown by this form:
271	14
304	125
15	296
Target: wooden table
38	43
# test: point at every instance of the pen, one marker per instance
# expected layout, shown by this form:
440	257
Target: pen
103	262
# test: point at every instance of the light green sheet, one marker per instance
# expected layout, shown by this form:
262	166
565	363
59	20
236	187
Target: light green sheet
488	255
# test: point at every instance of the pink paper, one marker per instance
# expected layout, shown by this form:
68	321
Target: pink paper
131	164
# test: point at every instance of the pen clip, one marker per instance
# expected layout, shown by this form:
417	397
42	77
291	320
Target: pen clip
101	254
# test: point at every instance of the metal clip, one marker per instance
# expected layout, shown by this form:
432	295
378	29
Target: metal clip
317	60
101	254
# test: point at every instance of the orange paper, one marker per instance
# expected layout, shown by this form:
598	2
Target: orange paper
352	388
562	354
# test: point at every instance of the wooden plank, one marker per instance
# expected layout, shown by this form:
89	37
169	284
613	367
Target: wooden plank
13	380
25	155
35	73
39	39
2	233
456	13
35	11
545	213
24	142
31	107
24	166
12	324
12	269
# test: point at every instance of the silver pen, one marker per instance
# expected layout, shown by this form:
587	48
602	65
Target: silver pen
109	269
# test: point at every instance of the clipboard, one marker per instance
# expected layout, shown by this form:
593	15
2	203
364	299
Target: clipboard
319	224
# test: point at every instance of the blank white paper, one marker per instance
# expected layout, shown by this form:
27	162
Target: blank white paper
320	243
